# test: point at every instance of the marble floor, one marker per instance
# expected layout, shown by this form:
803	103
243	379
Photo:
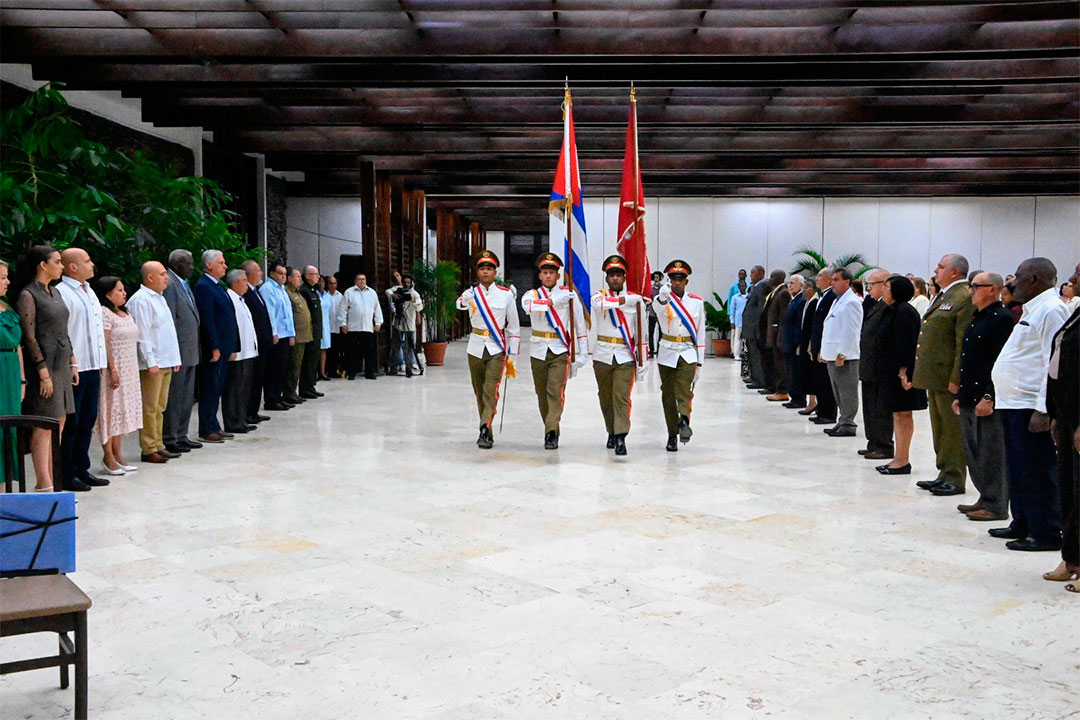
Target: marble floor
359	557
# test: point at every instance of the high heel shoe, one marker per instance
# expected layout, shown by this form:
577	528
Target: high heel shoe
128	468
902	470
117	472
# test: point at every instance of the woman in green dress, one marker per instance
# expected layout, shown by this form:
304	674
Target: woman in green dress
12	384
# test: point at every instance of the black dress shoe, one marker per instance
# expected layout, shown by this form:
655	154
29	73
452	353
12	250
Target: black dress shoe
278	407
840	431
794	404
295	400
1029	544
927	484
1006	533
808	411
946	489
486	440
684	429
190	444
257	418
754	386
94	480
237	430
902	470
823	421
610	441
176	450
309	396
620	444
551	440
875	455
169	454
318	394
76	485
673	443
764	391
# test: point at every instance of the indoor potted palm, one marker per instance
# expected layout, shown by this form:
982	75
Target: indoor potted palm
438	285
717	321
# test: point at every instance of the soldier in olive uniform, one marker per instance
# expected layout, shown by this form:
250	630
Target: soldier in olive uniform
309	370
302	322
495	336
549	307
937	370
682	349
619	344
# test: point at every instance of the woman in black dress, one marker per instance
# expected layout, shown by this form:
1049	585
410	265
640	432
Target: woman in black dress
900	327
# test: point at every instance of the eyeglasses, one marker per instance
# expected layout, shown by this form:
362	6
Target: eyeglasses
875	282
981	285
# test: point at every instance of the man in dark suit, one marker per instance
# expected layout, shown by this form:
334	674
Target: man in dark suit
755	305
177	416
220	340
264	334
804	360
826	401
790	332
309	369
876	388
775	310
1063	406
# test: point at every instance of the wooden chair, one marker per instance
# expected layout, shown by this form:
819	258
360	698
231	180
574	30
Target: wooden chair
42	600
48	603
20	427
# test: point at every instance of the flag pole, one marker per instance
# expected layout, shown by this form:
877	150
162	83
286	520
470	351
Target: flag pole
567	104
637	192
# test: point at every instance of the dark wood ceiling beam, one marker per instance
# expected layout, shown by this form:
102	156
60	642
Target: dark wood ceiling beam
25	42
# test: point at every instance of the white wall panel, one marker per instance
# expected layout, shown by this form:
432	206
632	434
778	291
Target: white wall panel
1057	232
1008	234
955	227
340	218
904	236
792	224
851	226
496	243
686	233
740	237
303	213
303	247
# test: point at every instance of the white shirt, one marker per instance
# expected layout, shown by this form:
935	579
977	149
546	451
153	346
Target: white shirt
335	305
537	304
843	328
85	327
1019	372
920	303
249	344
672	326
157	334
604	304
504	309
359	310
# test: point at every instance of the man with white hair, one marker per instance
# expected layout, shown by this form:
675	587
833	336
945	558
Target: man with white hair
185	314
234	403
937	370
790	334
220	340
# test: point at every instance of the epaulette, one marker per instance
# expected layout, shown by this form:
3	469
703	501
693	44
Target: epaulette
564	287
503	287
696	297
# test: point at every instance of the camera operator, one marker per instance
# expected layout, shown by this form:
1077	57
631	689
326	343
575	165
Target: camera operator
405	302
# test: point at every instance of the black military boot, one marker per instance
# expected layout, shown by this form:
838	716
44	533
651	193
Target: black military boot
673	443
684	429
485	441
610	441
620	444
551	440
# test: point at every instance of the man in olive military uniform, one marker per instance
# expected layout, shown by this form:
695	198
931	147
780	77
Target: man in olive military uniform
553	334
937	370
682	349
309	370
495	336
619	344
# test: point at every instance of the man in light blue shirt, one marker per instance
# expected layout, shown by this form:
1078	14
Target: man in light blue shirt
734	289
736	305
279	307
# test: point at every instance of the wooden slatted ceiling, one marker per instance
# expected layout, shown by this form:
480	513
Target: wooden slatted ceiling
460	98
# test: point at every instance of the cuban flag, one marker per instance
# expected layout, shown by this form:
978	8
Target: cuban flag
566	195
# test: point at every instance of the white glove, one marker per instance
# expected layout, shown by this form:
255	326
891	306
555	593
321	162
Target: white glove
467	296
664	293
561	298
697	374
641	372
579	362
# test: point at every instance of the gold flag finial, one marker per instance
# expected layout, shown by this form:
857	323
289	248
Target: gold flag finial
633	92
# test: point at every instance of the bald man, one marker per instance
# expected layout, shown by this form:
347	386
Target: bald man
873	375
87	333
159	357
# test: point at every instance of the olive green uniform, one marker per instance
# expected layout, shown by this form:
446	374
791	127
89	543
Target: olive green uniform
486	373
549	381
676	392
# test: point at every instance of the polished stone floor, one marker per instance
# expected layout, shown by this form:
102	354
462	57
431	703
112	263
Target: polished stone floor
359	557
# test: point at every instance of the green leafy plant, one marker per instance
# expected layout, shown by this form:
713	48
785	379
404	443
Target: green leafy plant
61	188
814	262
438	285
716	317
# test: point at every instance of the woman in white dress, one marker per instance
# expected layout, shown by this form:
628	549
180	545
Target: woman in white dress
121	396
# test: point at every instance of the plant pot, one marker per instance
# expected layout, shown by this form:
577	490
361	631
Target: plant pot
434	352
721	347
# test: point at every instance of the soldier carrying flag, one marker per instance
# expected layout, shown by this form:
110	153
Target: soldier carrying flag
682	349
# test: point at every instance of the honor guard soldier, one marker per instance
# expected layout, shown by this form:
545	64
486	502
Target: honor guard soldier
682	349
549	307
619	345
495	336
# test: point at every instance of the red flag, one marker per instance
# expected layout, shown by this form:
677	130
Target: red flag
631	227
